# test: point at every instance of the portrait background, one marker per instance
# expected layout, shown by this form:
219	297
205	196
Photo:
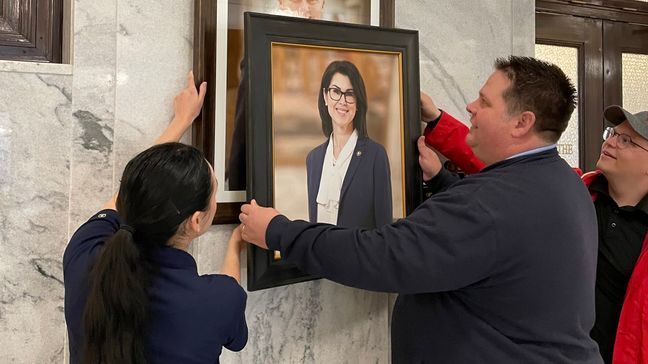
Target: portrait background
297	128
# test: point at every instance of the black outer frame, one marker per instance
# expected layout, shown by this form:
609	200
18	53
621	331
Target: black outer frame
261	30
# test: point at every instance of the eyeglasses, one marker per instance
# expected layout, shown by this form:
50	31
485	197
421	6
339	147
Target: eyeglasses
623	140
336	94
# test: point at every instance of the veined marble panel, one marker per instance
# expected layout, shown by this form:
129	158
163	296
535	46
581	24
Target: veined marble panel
93	105
459	40
154	55
523	27
35	128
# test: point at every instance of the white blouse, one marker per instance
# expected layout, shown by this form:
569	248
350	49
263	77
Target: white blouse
333	172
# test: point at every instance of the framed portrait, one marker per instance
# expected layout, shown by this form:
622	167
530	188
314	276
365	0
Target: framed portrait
219	130
332	123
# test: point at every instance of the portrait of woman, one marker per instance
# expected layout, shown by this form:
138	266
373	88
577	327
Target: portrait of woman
348	175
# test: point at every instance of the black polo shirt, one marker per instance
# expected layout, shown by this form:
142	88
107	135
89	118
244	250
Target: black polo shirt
191	316
621	235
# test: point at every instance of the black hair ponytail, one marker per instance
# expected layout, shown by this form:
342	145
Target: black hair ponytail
160	188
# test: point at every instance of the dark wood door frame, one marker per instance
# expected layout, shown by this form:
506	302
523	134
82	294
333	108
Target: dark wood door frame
628	11
619	38
602	30
585	35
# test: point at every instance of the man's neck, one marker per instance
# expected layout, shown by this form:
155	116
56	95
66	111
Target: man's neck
625	192
515	150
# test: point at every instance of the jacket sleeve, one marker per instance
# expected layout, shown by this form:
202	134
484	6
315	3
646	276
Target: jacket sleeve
449	138
230	301
439	183
383	208
631	343
447	243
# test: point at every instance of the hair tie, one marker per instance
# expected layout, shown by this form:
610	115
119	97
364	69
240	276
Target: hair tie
128	228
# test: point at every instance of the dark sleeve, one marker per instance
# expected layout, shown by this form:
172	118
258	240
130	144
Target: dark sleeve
439	183
383	208
92	234
234	298
447	243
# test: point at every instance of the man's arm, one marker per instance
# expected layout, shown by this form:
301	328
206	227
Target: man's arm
447	243
435	178
448	136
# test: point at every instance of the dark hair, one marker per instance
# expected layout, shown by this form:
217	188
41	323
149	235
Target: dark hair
160	188
542	88
348	69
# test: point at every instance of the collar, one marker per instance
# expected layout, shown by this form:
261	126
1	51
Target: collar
524	156
600	186
533	151
346	151
170	257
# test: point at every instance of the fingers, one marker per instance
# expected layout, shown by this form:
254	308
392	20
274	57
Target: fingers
422	146
191	84
254	203
243	218
246	208
202	91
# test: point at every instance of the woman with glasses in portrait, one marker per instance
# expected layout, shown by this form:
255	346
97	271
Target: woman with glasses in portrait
349	182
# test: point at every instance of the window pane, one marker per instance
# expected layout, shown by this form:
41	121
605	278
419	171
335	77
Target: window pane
634	80
567	59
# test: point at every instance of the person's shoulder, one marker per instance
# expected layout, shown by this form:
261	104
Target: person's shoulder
318	149
370	143
93	232
589	177
372	147
224	287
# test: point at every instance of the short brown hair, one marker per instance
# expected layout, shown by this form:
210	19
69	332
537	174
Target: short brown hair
542	88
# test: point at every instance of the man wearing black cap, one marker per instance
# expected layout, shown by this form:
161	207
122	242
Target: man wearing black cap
619	188
620	191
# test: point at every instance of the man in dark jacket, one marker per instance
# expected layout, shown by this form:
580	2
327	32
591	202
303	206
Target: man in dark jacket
500	267
619	188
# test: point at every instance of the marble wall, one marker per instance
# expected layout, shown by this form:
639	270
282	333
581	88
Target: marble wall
66	132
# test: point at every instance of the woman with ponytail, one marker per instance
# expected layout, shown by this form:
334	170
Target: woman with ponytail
132	291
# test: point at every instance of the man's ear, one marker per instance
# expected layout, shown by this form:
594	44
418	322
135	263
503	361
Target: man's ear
524	124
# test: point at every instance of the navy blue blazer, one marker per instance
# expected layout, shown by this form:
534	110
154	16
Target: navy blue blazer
365	199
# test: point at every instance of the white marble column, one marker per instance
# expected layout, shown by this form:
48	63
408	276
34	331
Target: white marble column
35	129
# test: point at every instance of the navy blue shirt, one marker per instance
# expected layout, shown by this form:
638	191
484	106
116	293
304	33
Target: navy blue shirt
191	316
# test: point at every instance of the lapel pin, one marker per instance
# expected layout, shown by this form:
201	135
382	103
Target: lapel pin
359	153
